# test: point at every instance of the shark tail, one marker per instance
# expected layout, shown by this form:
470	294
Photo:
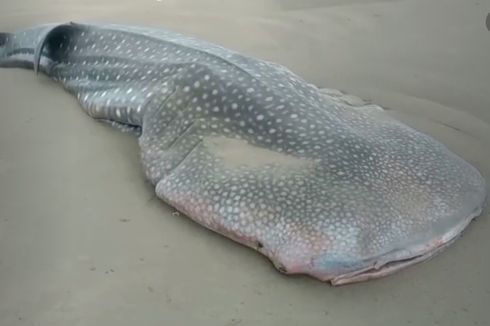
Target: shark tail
11	56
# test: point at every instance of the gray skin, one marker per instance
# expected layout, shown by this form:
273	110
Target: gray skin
320	184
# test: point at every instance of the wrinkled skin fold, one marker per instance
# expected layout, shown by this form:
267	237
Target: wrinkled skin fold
319	184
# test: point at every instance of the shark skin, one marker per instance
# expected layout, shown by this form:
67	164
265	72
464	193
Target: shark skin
316	180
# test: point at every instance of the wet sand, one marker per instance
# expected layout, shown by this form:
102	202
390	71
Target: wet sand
84	241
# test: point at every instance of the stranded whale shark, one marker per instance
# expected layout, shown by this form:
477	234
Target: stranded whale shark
317	183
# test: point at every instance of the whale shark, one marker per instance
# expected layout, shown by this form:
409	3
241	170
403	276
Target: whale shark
320	183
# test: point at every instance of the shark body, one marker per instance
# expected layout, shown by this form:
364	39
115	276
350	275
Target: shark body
248	149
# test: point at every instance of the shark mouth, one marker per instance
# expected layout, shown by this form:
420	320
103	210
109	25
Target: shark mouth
396	260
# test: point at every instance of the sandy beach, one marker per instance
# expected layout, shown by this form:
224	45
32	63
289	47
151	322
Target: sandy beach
84	240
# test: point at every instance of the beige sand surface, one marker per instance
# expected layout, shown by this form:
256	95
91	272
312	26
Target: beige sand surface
84	241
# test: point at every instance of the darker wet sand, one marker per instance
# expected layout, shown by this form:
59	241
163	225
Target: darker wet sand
84	241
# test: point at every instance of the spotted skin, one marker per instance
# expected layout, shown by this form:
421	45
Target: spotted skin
316	180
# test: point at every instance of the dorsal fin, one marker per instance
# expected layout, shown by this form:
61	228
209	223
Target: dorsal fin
53	38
